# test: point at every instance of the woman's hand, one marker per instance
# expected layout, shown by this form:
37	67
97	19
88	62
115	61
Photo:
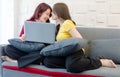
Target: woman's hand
22	37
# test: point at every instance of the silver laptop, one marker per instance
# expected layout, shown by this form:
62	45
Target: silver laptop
39	32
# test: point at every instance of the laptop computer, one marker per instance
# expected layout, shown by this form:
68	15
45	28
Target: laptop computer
39	32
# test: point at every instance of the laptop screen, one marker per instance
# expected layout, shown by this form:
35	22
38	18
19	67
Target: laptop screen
39	32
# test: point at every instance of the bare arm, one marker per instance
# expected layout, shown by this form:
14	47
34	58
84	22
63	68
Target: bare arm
74	32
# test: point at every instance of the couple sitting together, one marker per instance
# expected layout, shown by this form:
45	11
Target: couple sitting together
72	58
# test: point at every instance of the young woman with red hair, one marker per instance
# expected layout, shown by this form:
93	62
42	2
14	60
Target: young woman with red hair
42	14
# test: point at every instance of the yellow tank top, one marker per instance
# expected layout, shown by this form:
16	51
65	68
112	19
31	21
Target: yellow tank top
64	30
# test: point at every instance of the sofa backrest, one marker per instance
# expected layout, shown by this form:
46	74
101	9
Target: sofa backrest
92	33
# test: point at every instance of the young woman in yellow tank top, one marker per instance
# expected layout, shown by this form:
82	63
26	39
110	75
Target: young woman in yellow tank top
76	62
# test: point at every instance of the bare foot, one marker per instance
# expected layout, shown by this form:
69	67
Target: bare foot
6	58
108	63
3	57
40	63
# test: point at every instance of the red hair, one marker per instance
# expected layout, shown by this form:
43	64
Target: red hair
39	10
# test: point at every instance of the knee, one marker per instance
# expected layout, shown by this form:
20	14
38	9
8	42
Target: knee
73	68
47	63
6	49
9	51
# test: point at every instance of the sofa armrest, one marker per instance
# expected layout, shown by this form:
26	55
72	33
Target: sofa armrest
1	53
2	50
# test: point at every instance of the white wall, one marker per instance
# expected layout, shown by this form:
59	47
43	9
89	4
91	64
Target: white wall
6	21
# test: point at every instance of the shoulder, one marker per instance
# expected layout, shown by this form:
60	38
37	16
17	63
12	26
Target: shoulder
68	22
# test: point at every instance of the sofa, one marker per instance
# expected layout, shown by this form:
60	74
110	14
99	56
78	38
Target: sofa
102	43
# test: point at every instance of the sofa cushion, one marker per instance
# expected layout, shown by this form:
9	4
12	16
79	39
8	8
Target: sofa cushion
25	45
106	48
64	47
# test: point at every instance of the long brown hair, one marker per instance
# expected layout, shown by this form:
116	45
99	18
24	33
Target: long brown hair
61	10
42	7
